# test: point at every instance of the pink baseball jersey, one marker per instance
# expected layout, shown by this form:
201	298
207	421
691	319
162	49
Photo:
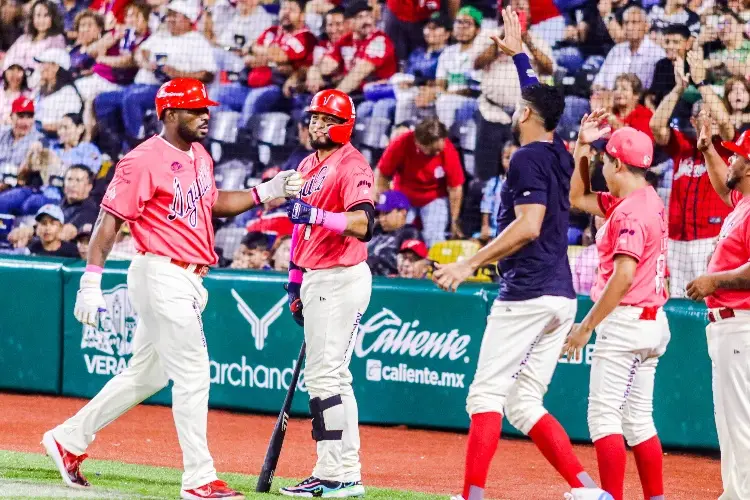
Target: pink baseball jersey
166	197
336	184
636	226
732	251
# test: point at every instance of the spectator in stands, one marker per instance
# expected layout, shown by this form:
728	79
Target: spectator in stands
10	24
43	31
56	96
543	18
49	227
281	253
69	9
737	102
420	71
490	205
626	110
734	58
390	233
89	28
124	247
403	22
673	13
253	253
248	22
79	210
180	52
303	149
587	262
274	57
637	54
115	64
14	86
363	55
72	149
696	212
16	140
113	11
612	14
677	41
82	244
412	260
501	92
457	81
586	30
425	166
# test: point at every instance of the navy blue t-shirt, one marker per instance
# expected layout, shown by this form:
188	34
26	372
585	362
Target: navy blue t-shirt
539	174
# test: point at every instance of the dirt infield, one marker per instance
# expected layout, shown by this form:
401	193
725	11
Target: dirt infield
399	458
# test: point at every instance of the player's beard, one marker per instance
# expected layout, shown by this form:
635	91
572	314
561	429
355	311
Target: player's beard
732	181
325	143
515	128
189	135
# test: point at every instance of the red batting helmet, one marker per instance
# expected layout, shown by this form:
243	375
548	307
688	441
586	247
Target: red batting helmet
741	147
335	103
182	93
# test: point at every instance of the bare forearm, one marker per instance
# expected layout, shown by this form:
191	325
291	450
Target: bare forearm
737	279
125	61
660	121
581	196
231	203
455	197
717	172
356	224
382	184
718	111
613	292
103	238
511	240
545	64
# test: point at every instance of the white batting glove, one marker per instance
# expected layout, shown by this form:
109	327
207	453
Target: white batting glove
90	300
286	184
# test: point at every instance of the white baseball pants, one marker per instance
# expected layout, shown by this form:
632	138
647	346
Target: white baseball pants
518	356
334	301
623	367
729	348
168	344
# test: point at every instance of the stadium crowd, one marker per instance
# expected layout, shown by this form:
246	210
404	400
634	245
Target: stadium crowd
434	101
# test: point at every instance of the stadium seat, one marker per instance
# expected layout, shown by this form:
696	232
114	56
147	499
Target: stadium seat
228	239
223	126
271	129
232	175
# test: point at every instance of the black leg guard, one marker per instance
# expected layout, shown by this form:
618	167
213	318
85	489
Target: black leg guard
317	407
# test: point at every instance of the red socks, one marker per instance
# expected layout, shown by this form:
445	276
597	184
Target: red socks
649	460
484	435
611	457
552	440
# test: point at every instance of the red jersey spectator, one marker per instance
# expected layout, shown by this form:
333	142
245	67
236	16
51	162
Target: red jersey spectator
113	10
404	21
626	110
425	166
365	54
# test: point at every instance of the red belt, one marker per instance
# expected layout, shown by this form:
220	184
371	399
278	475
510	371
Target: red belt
199	269
723	313
649	313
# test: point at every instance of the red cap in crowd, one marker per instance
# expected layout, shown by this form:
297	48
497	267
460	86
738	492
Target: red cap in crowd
416	246
741	147
631	147
22	105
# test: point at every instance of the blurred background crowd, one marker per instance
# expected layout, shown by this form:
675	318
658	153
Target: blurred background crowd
434	103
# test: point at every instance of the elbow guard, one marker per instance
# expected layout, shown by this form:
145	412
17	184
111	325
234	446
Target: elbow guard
369	211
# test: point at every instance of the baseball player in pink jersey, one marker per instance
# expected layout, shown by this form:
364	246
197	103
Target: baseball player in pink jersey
329	288
629	292
726	289
165	190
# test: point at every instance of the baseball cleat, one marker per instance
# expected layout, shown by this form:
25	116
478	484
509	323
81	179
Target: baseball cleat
312	487
214	489
68	465
588	494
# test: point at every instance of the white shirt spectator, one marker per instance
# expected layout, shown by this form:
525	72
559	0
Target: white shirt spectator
52	108
622	60
250	27
190	52
457	66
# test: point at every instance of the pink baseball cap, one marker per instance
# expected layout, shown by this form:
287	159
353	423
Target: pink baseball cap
631	147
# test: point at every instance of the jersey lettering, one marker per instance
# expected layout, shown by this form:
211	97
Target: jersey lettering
185	205
315	183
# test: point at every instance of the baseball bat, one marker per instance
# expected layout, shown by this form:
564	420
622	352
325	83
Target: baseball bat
265	478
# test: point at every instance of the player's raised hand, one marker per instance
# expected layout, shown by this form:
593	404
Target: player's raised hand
285	184
511	42
449	276
90	301
701	287
704	124
593	127
576	341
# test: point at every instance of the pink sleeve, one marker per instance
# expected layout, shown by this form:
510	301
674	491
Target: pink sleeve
629	235
130	189
356	182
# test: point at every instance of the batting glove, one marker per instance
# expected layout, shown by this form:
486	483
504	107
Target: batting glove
295	303
285	184
90	300
300	212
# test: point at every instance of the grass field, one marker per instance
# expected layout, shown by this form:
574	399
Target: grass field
30	475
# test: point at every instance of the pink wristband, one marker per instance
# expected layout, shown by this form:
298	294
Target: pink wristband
333	221
295	276
94	269
256	196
